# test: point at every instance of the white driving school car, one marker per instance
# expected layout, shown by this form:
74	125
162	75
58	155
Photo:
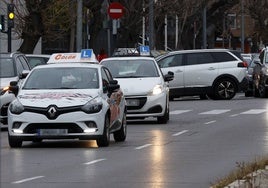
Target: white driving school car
67	100
145	88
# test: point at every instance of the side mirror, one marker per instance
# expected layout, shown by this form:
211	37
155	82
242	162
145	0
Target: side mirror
169	76
14	88
24	74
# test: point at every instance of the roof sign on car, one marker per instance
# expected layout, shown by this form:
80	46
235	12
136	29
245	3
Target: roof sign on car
86	56
144	51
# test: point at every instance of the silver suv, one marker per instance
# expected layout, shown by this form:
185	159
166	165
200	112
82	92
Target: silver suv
13	67
216	73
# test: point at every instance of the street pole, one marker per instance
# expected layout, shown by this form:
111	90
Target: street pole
165	32
151	24
205	28
79	25
177	31
242	26
9	39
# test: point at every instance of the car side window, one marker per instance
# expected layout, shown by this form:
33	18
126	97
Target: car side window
105	79
222	56
19	67
199	58
171	61
24	63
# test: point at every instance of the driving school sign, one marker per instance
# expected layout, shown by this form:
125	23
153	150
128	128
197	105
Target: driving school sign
115	10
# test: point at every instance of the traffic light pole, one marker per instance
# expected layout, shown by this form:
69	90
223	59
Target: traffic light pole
9	39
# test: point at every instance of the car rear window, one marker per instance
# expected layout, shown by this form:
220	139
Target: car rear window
7	68
199	58
222	56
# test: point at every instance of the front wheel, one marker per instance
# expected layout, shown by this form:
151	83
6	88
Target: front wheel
14	142
120	135
263	91
104	140
164	119
225	89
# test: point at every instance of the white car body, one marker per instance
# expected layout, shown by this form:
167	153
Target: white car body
58	113
141	101
218	73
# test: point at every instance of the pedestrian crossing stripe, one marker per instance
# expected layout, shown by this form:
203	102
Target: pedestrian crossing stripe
179	111
216	111
254	111
220	111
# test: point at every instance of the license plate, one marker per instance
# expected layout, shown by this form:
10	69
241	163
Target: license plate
133	102
52	132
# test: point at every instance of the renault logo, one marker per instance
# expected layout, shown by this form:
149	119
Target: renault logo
52	112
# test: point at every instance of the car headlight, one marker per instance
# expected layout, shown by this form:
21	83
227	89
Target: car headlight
4	90
93	106
16	107
156	90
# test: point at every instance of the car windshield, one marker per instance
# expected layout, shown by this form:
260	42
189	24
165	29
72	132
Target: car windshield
63	78
131	68
7	68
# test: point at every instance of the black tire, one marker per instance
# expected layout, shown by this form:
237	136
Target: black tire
164	119
255	91
104	140
14	142
121	134
225	89
263	91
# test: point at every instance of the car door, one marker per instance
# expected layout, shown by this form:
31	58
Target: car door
115	99
173	63
200	71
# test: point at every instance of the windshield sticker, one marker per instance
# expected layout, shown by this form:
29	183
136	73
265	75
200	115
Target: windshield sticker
53	95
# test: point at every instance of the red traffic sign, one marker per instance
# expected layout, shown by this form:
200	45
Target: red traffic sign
115	10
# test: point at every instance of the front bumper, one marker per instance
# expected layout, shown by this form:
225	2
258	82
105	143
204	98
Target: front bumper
28	126
150	106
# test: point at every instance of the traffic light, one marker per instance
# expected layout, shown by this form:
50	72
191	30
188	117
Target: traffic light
10	15
2	23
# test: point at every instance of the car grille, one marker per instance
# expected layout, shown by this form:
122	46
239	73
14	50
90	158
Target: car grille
56	110
141	102
33	127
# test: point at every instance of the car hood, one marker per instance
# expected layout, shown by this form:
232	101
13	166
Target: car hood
5	81
137	86
62	98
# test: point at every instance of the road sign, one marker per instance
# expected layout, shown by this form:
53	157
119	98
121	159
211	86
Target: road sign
115	10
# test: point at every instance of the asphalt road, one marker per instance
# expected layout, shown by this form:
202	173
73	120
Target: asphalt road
203	141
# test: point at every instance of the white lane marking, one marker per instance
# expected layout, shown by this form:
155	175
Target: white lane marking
27	179
254	111
144	146
216	111
210	122
179	111
234	115
95	161
180	133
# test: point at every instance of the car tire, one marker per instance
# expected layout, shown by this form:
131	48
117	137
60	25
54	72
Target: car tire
121	134
164	119
263	91
255	91
104	140
14	142
225	89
